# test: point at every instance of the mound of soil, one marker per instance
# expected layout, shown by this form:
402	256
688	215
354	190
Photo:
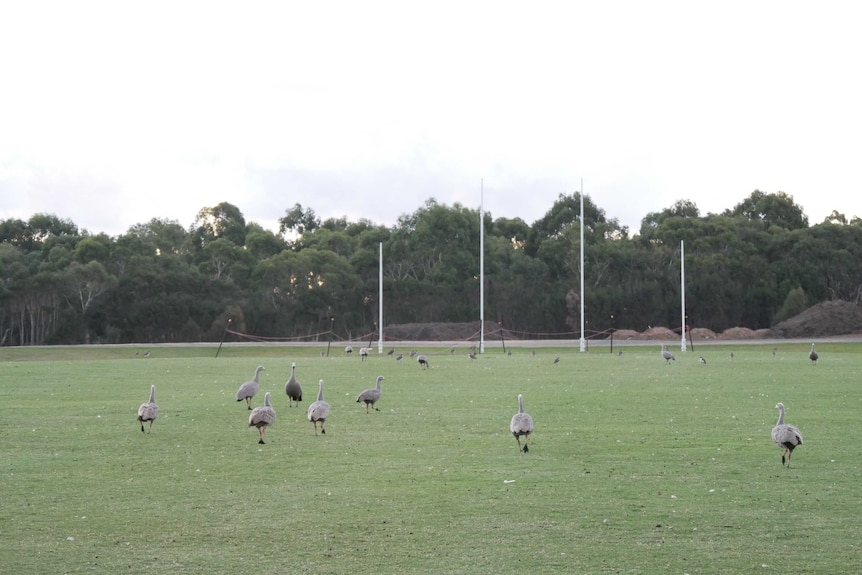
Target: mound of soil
702	334
822	320
659	334
738	333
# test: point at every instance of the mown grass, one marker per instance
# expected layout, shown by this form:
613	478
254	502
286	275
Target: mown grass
635	466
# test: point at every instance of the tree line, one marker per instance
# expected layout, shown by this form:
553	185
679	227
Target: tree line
753	265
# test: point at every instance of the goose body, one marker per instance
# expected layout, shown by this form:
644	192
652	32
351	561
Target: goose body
262	416
813	355
250	388
371	396
666	355
521	425
318	411
149	411
423	361
786	436
363	353
292	388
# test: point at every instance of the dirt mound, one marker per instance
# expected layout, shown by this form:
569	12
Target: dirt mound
738	333
440	331
702	333
659	334
822	320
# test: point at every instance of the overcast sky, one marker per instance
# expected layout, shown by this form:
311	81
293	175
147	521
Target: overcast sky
114	113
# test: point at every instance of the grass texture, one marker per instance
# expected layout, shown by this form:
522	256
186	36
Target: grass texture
635	466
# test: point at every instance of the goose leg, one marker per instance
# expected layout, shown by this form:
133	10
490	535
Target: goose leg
142	426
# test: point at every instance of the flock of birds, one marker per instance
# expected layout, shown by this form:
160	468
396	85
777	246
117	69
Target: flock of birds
786	436
263	416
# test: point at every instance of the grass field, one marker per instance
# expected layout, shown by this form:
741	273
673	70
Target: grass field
635	466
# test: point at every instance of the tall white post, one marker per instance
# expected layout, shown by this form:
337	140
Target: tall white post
482	268
682	288
583	338
380	304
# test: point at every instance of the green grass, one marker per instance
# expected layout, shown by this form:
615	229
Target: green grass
634	466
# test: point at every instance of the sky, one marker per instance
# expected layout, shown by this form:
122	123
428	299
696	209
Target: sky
115	113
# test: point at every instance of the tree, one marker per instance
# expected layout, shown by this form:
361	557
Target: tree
223	221
772	209
298	220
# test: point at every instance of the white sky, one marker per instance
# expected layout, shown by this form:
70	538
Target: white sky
113	113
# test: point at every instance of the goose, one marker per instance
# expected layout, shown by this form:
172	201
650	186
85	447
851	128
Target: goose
262	416
318	411
391	351
556	360
400	357
702	360
813	355
371	396
472	355
149	411
666	355
423	361
786	436
363	353
348	349
521	425
249	389
292	388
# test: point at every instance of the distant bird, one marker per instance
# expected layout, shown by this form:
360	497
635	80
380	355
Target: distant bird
731	356
774	350
557	359
391	351
147	354
786	436
318	411
250	388
371	396
472	355
666	355
521	425
813	355
400	357
413	353
149	411
702	360
452	350
620	352
423	361
510	354
293	388
262	416
363	353
348	349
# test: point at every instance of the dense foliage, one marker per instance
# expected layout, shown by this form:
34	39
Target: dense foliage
749	266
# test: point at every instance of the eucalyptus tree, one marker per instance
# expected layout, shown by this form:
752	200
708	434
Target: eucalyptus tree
222	221
777	209
300	292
